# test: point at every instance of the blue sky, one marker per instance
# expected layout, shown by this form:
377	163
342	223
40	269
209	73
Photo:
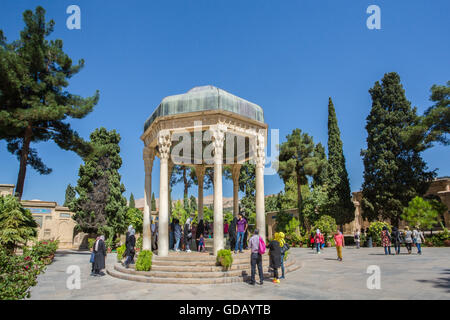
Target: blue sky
286	56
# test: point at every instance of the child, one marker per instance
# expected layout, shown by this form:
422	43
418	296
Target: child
274	258
201	243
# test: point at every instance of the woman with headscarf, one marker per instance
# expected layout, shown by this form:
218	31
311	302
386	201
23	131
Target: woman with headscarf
386	240
279	236
92	260
232	233
408	239
200	231
129	251
177	234
187	234
100	255
318	240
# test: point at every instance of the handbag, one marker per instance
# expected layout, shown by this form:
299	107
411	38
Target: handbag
92	257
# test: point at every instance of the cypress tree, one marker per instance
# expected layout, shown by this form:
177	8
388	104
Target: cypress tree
101	207
70	195
131	203
394	172
320	177
34	99
340	205
153	202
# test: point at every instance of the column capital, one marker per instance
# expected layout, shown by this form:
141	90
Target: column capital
258	145
164	143
218	138
149	157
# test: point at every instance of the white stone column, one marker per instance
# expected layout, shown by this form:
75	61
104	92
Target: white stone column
200	172
259	177
236	169
170	166
164	143
149	155
218	137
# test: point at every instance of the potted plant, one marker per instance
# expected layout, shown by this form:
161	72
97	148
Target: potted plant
224	259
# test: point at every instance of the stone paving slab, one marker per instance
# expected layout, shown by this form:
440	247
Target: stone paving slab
321	277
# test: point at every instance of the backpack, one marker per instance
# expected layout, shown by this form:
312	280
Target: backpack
262	246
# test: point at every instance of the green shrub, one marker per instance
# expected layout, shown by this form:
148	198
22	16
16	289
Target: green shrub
438	239
120	251
326	225
375	229
224	258
91	242
17	274
144	260
293	240
139	242
43	250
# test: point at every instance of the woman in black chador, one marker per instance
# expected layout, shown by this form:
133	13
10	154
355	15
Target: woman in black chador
129	251
232	233
100	255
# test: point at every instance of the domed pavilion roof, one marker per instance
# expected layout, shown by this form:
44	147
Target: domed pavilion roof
205	98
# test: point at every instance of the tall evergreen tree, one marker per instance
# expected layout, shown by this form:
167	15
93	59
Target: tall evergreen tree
247	185
100	206
70	195
340	205
298	160
131	202
153	202
394	172
320	177
34	99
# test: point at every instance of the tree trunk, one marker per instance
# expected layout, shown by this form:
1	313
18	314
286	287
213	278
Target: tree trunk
185	183
299	201
23	162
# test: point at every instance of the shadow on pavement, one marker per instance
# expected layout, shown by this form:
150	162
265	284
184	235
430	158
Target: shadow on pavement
442	283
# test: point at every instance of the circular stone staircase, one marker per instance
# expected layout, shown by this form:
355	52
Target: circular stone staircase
195	268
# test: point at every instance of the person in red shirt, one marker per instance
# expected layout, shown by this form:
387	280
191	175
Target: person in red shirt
339	241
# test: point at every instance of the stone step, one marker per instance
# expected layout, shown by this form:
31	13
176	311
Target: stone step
207	268
196	256
190	272
139	278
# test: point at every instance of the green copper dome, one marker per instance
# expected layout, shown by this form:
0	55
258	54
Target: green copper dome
205	98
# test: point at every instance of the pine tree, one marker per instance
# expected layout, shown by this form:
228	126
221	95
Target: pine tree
320	177
70	195
394	172
340	205
298	160
34	99
101	207
131	203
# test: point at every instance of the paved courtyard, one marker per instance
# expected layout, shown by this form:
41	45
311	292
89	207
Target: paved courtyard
320	277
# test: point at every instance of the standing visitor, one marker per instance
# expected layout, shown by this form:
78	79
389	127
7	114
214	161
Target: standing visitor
100	255
187	234
357	239
408	239
418	238
153	229
339	242
171	234
241	228
226	227
256	257
317	240
129	245
311	240
232	233
201	244
274	258
199	232
396	238
177	234
284	248
386	240
92	260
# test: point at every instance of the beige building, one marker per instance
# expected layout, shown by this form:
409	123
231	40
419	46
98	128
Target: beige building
54	222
